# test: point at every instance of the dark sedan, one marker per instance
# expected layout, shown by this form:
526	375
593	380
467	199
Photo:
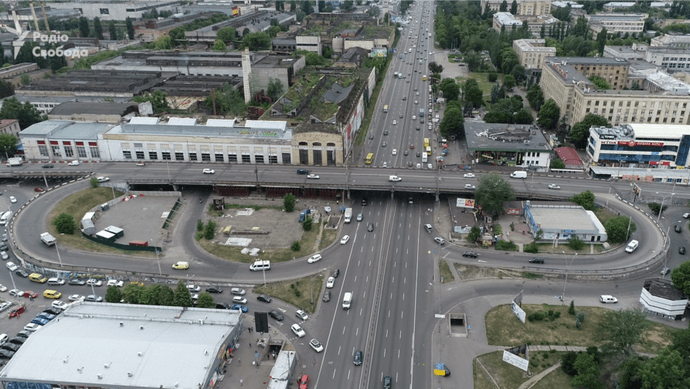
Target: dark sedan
326	296
48	166
22	273
77	281
469	254
264	298
275	314
214	289
681	250
370	227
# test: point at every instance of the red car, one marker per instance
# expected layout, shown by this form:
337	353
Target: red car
303	382
30	294
17	311
39	189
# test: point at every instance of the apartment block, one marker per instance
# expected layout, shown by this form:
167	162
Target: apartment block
615	22
532	52
525	7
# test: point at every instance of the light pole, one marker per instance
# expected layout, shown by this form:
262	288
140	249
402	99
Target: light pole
58	252
661	208
567	267
14	286
158	259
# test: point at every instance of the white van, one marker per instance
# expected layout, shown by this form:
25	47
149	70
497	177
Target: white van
424	158
632	246
260	265
518	174
5	217
347	300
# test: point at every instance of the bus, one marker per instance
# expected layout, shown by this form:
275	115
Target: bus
424	77
385	109
370	158
426	142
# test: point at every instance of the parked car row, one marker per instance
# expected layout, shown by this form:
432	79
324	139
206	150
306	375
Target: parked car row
9	346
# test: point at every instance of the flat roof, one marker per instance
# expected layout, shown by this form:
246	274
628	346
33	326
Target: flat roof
504	137
663	288
569	156
123	345
553	217
65	129
588	60
637	131
74	107
258	129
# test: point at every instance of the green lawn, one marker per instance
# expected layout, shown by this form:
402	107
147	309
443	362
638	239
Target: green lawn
484	85
508	376
303	293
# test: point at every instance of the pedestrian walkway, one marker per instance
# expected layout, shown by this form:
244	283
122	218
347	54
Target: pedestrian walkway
533	381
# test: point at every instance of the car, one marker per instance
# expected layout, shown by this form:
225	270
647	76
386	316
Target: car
335	273
17	311
394	179
275	314
17	340
416	102
12	346
404	98
414	117
11	266
32	327
141	163
327	209
303	382
117	283
194	296
240	307
30	294
395	122
13	199
316	345
406	152
180	265
52	311
385	132
364	201
395	151
59	304
208	171
93	298
94	282
326	296
360	217
214	289
358	357
238	291
370	227
469	186
554	186
223	305
194	288
469	254
314	258
75	297
239	300
419	154
345	239
21	273
301	315
312	176
384	144
46	315
77	281
606	298
264	298
385	165
387	380
5	306
665	271
56	281
681	250
3	288
677	228
686	215
73	163
468	175
439	240
536	260
23	334
102	179
51	294
48	166
330	283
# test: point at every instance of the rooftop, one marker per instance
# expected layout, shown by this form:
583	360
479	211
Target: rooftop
588	60
139	346
65	129
563	4
258	129
569	156
637	131
551	217
507	19
504	137
73	107
600	18
663	288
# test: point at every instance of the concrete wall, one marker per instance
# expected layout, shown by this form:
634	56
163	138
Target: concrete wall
661	305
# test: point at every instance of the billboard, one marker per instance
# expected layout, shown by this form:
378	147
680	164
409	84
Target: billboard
235	11
464	203
379	53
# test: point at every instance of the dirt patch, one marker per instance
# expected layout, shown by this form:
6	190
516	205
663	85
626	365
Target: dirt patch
282	228
471	272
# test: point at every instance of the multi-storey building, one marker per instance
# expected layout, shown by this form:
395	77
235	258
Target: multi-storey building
525	7
615	22
507	20
117	10
671	41
531	52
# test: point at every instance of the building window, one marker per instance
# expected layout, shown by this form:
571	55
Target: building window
56	151
126	154
140	154
69	152
105	11
246	158
192	156
258	158
317	157
205	157
179	156
232	157
219	157
43	150
287	159
165	155
94	152
272	159
153	155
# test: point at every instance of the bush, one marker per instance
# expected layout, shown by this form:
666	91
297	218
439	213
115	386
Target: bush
553	315
594	351
492	77
581	317
531	248
93	181
578	324
199	235
307	223
576	243
568	363
289	202
199	225
295	246
210	230
506	245
498	230
571	309
537	316
65	224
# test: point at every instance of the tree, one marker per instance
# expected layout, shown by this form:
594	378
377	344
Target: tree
348	5
275	89
166	296
257	41
601	40
473	60
314	59
8	144
549	115
182	297
622	329
307	223
164	43
113	295
435	68
453	123
587	372
280	5
568	363
219	45
472	94
307	8
227	34
26	113
84	27
492	191
130	28
474	235
210	230
557	164
523	116
657	208
617	229
65	224
206	301
149	295
535	96
322	5
509	81
289	202
97	27
520	74
492	77
600	83
228	101
584	199
514	7
158	100
131	293
112	30
6	89
576	243
665	371
681	343
580	131
450	89
681	277
581	27
293	6
504	6
93	182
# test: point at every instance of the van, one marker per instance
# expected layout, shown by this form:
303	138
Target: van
347	300
428	228
37	277
260	265
51	294
5	217
632	246
518	174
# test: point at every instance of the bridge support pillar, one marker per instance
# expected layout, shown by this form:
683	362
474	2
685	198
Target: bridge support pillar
347	194
437	197
392	194
175	188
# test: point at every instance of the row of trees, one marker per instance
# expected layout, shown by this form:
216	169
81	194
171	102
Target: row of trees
157	294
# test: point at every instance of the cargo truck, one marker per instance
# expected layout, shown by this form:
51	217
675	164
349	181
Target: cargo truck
48	239
18	161
348	215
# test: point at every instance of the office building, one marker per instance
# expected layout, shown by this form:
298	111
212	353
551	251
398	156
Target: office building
532	52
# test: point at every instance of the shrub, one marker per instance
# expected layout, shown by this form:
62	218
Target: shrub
498	230
581	317
506	245
536	316
571	309
578	324
199	225
295	246
568	363
93	181
210	230
65	224
492	77
307	223
576	243
531	248
594	351
298	293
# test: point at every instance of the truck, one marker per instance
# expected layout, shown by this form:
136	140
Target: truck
48	239
348	215
441	370
18	161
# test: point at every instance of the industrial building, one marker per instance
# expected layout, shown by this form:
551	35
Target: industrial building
109	345
518	145
118	10
660	297
93	83
563	221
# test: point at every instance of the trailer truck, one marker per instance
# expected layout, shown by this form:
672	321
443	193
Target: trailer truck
348	215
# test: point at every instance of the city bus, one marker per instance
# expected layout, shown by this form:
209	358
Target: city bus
370	158
385	109
426	142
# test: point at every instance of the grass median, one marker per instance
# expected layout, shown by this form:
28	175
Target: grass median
508	376
304	293
444	271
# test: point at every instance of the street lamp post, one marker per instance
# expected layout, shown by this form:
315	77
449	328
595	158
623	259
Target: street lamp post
58	253
661	208
567	267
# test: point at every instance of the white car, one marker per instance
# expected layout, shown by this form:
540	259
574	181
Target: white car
314	258
469	186
4	255
76	297
395	122
195	296
469	175
209	171
117	283
301	314
13	199
330	283
239	300
16	292
606	298
394	179
56	281
11	266
94	282
32	327
554	186
316	345
395	151
345	239
194	288
59	304
297	329
102	179
3	288
414	117
327	209
419	166
360	217
312	176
